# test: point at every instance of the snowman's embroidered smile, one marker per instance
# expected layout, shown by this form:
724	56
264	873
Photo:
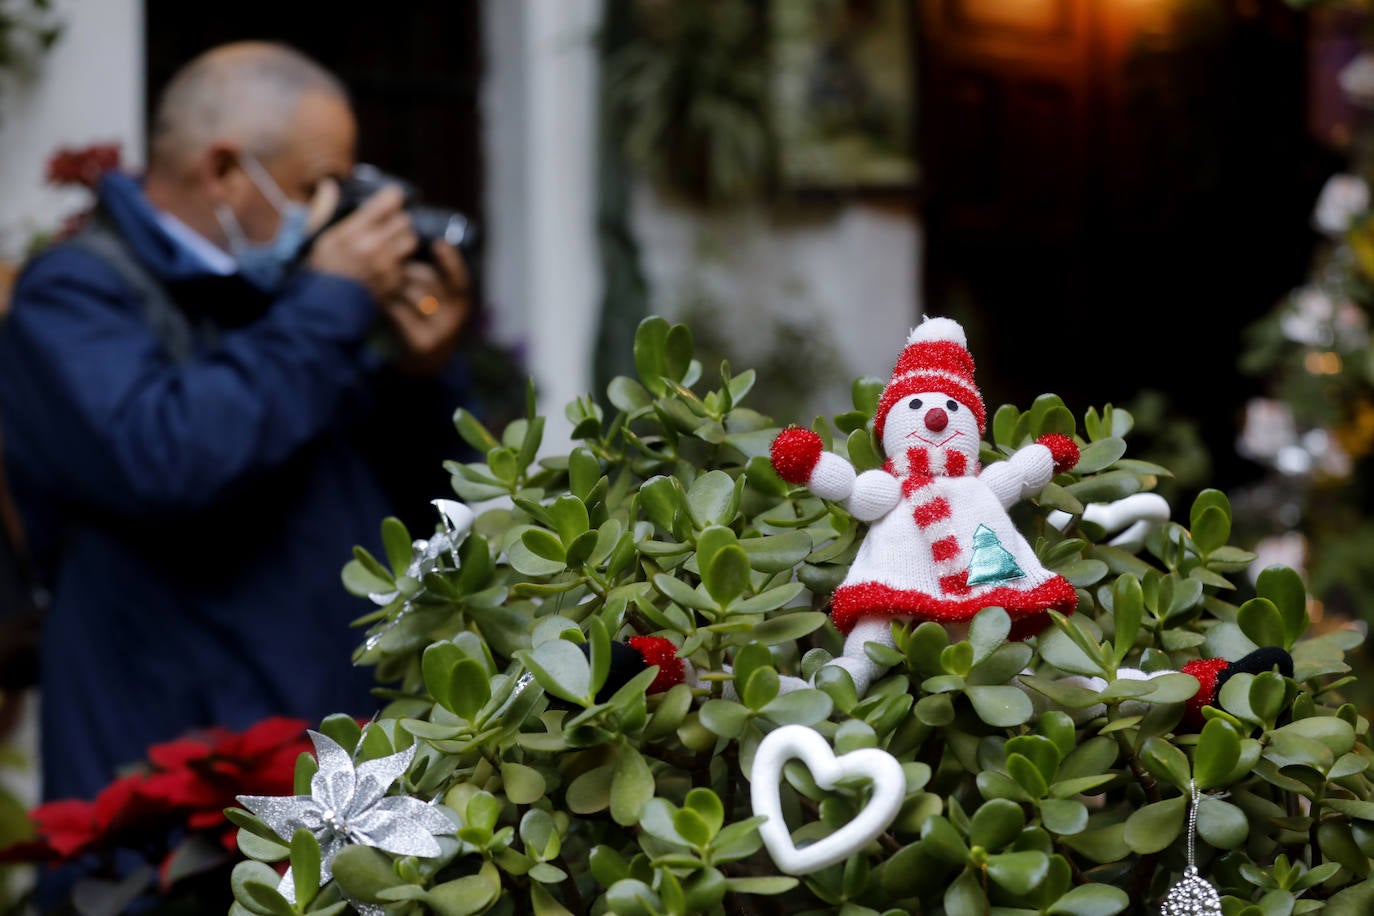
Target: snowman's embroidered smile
915	434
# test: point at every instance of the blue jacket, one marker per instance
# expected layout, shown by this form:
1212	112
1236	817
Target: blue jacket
192	519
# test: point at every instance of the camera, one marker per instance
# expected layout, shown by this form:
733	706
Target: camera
430	222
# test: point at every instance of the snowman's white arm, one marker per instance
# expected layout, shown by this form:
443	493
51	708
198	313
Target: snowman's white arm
875	494
1030	468
832	478
799	457
1023	474
867	496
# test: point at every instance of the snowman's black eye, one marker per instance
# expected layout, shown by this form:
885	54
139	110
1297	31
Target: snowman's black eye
915	404
952	404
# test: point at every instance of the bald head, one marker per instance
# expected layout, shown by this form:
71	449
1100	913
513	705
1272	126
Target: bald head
247	93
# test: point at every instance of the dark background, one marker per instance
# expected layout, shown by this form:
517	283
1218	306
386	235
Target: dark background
414	72
1111	191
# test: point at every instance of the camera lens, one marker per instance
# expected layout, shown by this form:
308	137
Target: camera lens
459	232
429	222
440	223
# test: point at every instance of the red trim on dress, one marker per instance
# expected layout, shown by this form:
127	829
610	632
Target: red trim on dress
852	603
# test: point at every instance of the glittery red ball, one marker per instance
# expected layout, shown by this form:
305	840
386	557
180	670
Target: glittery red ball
658	651
1206	670
795	452
1062	449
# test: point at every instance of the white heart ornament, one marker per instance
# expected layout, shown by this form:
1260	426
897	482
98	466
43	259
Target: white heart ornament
798	741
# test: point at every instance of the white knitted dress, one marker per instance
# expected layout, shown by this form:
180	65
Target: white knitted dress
946	551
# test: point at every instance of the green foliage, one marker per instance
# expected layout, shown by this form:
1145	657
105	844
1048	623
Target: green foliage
15	825
668	519
28	30
1313	353
687	94
795	361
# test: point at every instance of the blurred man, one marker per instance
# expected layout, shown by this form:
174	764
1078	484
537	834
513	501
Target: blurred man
206	407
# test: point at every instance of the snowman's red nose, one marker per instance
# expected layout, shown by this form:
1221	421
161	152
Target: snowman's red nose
936	419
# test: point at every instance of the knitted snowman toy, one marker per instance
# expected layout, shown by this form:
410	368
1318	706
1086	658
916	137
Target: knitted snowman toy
940	545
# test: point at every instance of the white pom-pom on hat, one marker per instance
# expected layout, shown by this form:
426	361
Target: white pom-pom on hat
938	329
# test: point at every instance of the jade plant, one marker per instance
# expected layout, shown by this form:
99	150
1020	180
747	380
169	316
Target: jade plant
1026	791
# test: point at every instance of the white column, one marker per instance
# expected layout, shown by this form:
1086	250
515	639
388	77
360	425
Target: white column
87	89
540	133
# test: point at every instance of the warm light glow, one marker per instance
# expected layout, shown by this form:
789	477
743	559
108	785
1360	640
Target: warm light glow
1326	363
429	305
1017	14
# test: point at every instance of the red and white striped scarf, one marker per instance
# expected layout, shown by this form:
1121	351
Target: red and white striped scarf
917	470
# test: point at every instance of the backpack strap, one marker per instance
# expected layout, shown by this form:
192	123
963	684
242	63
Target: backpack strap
167	321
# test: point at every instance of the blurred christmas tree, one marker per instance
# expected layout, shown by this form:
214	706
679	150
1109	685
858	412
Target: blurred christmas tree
1314	432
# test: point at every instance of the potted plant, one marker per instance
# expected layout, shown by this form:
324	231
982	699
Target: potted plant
504	775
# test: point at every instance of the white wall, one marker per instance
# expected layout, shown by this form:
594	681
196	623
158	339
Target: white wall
852	270
539	117
88	89
855	269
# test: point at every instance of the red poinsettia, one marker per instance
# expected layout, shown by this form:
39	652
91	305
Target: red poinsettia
203	774
67	829
185	785
82	165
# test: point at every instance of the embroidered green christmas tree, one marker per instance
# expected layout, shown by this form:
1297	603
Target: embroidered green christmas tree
991	562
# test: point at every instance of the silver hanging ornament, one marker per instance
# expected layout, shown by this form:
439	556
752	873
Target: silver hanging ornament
1192	896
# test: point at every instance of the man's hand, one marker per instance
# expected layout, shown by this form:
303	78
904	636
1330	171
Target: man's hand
370	245
430	309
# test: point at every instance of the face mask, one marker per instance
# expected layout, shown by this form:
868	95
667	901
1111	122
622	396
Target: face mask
266	264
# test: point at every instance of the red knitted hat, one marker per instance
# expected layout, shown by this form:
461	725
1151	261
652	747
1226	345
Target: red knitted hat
936	358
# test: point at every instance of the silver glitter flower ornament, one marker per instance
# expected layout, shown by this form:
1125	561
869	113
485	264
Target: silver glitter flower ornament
349	805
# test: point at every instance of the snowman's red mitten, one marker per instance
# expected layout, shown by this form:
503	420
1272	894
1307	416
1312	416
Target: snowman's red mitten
799	457
1063	450
1213	673
636	654
655	650
795	452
